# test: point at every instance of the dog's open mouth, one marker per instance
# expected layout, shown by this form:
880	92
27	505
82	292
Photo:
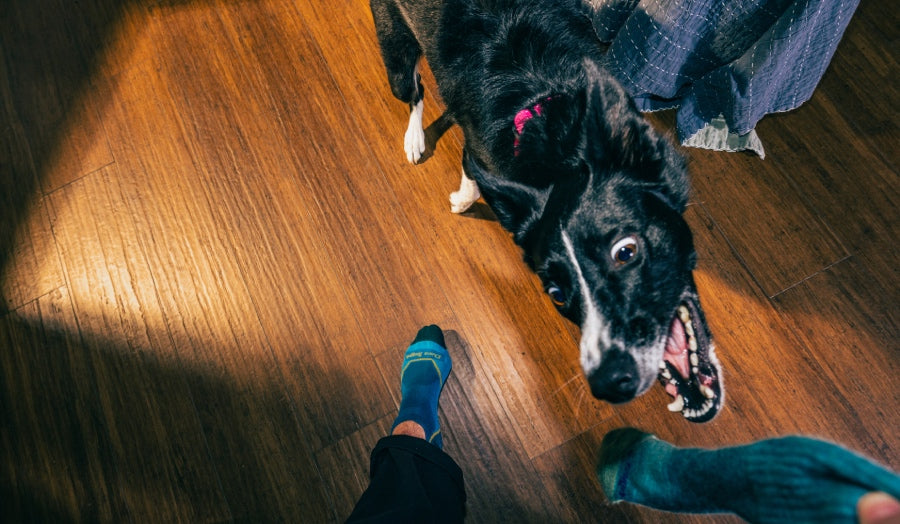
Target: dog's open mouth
689	370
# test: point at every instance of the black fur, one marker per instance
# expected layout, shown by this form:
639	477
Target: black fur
589	168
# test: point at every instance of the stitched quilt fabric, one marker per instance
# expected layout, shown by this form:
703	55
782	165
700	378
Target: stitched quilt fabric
723	63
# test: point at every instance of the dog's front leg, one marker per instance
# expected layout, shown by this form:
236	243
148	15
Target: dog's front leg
467	194
414	140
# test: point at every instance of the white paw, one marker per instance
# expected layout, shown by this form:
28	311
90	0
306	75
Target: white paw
468	194
414	140
460	203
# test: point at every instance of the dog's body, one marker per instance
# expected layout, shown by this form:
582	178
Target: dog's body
592	194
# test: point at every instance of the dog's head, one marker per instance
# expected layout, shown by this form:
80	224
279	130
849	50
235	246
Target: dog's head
595	199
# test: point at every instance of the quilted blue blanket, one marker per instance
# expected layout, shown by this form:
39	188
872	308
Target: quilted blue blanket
723	63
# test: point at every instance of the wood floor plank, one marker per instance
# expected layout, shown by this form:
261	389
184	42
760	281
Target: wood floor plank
57	464
345	466
771	228
51	62
285	237
160	451
249	421
29	265
860	81
857	205
863	365
352	201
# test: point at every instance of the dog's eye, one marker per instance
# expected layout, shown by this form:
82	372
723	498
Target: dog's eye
557	296
624	250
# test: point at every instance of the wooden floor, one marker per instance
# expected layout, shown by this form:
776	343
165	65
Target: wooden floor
213	254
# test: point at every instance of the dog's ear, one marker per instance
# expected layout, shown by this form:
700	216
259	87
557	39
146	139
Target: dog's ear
670	181
550	140
517	206
620	138
613	128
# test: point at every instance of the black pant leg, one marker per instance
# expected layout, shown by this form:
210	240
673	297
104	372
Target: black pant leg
411	481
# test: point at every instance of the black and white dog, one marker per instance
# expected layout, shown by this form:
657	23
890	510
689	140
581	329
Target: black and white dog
591	193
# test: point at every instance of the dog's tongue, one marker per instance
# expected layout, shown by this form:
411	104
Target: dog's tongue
677	349
689	372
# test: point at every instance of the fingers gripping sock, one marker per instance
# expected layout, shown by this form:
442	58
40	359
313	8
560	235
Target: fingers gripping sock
425	369
784	480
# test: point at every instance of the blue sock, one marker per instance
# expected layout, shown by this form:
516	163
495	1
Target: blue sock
426	367
774	481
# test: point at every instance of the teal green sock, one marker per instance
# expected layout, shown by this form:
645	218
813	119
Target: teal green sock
774	481
425	369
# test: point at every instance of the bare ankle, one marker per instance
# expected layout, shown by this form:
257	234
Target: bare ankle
410	428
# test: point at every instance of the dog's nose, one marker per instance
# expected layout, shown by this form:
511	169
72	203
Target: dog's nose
616	380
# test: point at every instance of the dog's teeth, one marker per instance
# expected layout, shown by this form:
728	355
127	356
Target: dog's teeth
692	344
695	370
662	364
666	374
708	393
677	404
695	360
683	314
689	328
